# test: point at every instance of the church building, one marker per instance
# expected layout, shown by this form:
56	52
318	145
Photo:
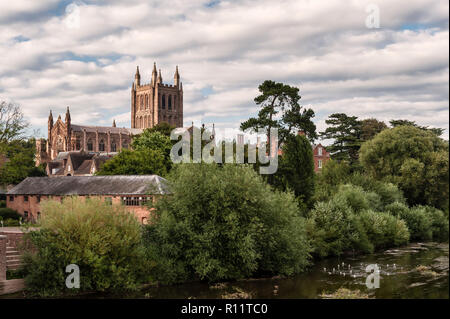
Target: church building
151	104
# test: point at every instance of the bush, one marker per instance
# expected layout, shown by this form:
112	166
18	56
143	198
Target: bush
387	192
224	223
8	213
103	240
2	204
357	199
439	225
383	229
333	228
417	220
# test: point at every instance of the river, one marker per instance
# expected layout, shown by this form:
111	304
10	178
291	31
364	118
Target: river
419	270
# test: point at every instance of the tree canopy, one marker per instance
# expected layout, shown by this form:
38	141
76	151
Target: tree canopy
414	159
280	109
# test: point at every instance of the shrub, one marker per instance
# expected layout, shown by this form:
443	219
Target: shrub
383	229
419	224
333	229
8	213
387	192
439	222
224	223
103	240
2	204
357	199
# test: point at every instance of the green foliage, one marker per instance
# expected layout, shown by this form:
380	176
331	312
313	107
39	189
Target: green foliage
163	128
21	155
142	162
223	223
296	169
370	128
333	174
348	222
333	228
345	131
383	229
8	213
156	141
280	109
414	159
435	130
103	240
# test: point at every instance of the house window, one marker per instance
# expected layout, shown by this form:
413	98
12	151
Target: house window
38	215
25	215
108	200
319	164
134	201
38	199
11	198
319	151
25	198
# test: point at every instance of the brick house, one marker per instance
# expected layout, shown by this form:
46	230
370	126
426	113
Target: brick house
320	155
77	163
130	190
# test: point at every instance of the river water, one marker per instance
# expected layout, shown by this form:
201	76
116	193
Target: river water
419	270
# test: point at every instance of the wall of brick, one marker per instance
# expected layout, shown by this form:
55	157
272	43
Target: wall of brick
32	205
3	240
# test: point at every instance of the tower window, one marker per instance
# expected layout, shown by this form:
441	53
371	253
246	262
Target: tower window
170	102
174	102
163	101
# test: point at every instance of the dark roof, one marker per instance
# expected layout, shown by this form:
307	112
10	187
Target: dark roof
92	185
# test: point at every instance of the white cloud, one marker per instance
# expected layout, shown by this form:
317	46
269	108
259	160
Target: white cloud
231	47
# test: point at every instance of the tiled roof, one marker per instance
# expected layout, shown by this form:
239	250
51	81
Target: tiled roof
105	129
92	185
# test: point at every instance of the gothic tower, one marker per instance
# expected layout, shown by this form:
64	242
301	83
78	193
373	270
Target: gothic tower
156	102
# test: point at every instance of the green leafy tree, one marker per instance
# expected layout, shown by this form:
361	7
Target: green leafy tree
345	131
435	130
370	128
223	223
296	169
280	109
21	164
414	159
142	162
154	140
12	122
163	128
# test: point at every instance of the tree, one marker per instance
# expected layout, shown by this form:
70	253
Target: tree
280	109
142	162
21	164
154	140
163	128
12	122
414	159
345	131
370	128
224	223
435	130
296	169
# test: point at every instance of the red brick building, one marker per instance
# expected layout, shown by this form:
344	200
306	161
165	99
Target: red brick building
130	190
321	156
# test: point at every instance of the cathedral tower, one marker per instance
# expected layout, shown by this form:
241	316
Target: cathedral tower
156	102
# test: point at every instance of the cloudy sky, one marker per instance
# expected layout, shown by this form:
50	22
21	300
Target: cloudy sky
55	54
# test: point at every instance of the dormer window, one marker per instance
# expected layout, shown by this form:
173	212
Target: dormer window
319	151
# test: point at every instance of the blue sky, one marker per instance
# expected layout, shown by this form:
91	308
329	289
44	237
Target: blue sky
83	54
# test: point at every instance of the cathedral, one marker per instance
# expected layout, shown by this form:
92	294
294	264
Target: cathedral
151	104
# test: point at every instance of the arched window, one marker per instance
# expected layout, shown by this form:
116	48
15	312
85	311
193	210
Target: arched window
146	101
113	146
124	145
163	101
174	102
90	146
142	102
170	102
101	146
77	144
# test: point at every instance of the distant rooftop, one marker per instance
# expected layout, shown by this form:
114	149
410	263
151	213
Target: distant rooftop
105	129
92	185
